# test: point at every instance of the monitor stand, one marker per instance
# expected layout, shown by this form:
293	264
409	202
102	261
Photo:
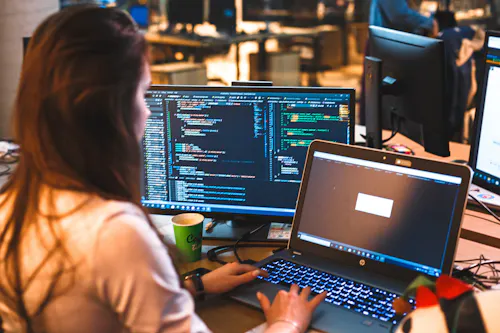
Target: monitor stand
233	230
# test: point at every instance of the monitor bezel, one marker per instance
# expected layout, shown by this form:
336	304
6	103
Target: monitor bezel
247	216
345	258
478	123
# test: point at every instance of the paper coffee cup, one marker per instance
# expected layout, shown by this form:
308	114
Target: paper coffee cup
188	230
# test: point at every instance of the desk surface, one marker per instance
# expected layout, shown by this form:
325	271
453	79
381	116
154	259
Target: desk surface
224	315
185	40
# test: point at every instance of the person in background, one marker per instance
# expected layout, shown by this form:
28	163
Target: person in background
77	251
399	15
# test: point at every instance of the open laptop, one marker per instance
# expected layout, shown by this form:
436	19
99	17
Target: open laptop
367	223
485	149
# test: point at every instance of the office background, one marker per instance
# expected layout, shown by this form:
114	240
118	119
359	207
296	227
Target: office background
326	46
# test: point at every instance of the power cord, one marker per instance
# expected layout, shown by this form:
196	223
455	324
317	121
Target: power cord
246	236
471	274
213	254
4	170
395	130
486	208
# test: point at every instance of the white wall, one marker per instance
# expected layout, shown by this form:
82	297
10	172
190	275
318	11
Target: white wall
18	18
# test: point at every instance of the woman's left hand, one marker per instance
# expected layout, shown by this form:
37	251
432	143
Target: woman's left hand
229	276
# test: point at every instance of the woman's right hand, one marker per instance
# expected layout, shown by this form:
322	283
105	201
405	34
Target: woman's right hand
290	308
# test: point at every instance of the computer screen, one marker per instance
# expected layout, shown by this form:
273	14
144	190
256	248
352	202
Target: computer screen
235	150
186	11
382	212
140	14
223	15
266	10
485	157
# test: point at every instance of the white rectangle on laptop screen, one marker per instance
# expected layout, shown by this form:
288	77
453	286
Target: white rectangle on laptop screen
494	42
392	168
374	205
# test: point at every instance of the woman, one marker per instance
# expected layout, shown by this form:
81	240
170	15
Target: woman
77	252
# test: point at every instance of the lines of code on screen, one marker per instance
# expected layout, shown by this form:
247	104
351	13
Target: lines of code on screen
235	152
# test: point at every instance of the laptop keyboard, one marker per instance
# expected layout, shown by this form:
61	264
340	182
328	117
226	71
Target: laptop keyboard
358	297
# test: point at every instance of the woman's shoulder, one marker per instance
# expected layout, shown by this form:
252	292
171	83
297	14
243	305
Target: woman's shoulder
90	218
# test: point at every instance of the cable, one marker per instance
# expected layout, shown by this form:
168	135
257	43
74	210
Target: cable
481	263
466	260
395	129
212	254
487	209
391	137
481	218
395	132
5	171
245	237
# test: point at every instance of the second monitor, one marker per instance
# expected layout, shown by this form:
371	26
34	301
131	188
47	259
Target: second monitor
236	152
186	11
406	89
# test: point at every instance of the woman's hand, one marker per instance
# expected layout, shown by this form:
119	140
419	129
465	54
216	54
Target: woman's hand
290	308
228	277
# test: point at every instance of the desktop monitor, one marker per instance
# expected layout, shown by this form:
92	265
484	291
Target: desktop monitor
485	148
222	14
140	14
236	153
412	88
266	10
186	11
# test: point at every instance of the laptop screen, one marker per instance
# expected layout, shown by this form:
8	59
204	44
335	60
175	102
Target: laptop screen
387	213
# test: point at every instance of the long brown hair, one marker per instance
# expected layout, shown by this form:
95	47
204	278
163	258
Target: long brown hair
74	119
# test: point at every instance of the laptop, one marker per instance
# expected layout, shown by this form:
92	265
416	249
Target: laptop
485	149
367	223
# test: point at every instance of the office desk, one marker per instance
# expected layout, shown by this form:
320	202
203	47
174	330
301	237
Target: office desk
225	315
202	46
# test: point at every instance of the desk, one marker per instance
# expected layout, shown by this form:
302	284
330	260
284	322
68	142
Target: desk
203	45
225	315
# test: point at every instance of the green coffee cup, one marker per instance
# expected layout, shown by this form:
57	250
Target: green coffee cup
188	230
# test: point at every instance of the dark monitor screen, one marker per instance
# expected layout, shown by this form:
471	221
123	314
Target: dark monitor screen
236	150
223	15
140	14
386	223
266	10
186	11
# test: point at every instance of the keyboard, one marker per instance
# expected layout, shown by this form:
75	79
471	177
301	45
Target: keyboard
358	297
